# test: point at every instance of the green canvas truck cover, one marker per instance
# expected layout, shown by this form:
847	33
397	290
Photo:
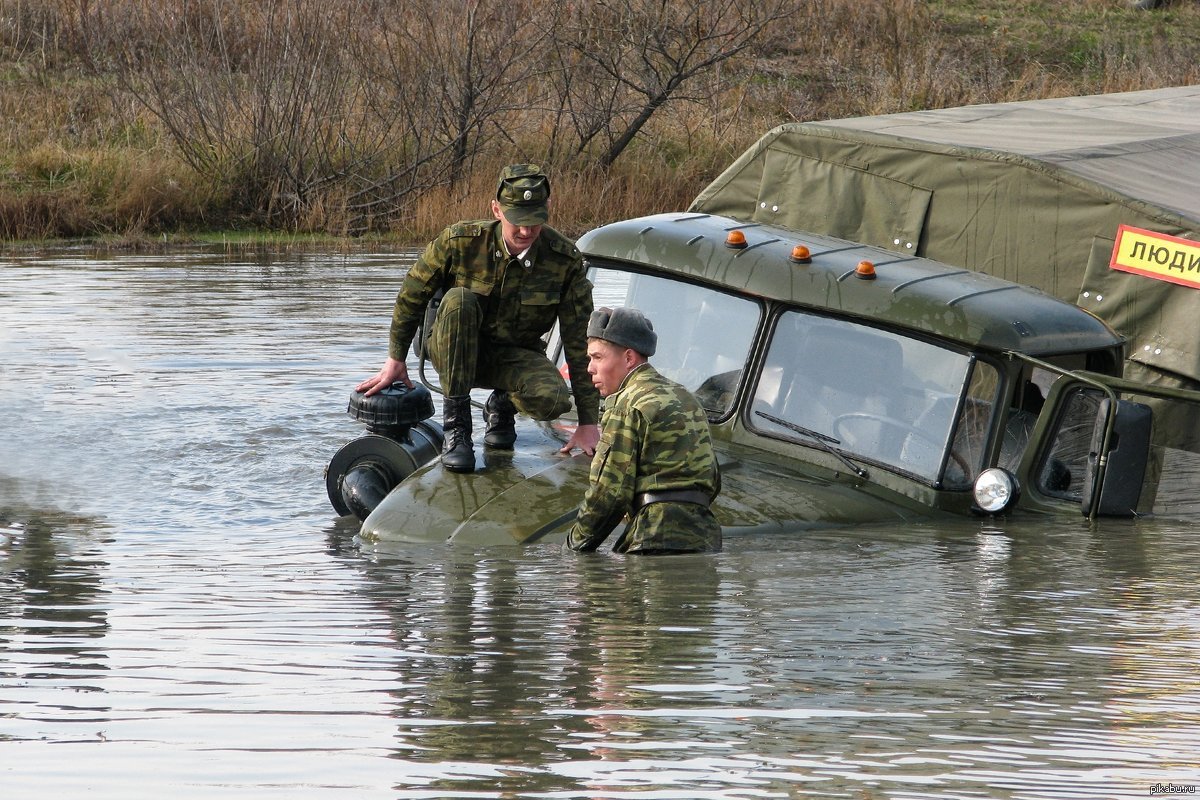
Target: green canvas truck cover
1034	192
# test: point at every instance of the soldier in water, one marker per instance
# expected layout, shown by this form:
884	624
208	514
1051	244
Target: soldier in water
655	465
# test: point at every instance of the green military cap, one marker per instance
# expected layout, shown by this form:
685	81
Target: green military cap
522	193
625	327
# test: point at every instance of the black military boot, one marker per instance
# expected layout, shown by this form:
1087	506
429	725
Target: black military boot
458	451
500	415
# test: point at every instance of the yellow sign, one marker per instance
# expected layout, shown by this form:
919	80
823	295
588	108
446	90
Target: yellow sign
1157	255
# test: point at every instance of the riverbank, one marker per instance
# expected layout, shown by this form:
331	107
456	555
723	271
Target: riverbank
125	132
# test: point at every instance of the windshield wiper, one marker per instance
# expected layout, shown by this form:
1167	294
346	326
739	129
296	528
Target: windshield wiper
824	441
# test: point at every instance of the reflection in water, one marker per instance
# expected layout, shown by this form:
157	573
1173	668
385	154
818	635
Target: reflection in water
181	616
511	666
52	610
942	660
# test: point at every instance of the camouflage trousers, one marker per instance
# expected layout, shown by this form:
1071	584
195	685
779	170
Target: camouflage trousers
670	528
464	360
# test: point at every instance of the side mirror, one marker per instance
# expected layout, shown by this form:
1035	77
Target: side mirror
1125	466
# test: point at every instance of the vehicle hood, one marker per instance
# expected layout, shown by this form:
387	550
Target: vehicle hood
531	494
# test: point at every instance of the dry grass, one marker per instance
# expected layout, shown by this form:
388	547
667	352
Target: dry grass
78	157
581	198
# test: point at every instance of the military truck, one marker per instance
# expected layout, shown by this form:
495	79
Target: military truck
851	375
845	385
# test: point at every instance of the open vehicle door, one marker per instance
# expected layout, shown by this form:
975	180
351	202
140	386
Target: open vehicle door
1096	444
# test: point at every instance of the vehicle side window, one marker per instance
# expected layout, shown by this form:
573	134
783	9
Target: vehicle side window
1062	471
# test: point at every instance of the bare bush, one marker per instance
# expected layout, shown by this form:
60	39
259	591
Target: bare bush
443	82
297	106
304	112
374	115
259	97
623	60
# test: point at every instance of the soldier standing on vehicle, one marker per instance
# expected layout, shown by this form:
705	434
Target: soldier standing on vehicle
506	281
655	464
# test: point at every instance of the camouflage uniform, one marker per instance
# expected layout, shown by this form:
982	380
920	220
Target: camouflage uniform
654	438
495	312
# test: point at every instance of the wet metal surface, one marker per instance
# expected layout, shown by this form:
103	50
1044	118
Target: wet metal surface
181	615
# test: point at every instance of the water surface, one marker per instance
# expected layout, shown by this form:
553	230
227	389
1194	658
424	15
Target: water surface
181	614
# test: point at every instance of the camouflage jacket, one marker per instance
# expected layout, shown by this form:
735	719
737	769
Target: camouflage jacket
654	437
521	300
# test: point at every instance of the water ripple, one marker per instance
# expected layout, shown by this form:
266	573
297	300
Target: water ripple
180	613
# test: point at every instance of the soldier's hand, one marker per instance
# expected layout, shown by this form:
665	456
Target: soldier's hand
585	438
392	370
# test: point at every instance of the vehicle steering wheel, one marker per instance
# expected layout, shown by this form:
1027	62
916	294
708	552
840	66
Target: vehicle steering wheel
907	429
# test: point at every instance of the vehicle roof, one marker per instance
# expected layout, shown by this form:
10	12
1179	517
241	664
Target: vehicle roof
1143	145
950	302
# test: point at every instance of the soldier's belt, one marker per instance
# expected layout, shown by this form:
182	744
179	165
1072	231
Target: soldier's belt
671	496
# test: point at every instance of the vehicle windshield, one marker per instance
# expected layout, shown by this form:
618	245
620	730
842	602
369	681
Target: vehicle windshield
871	393
704	335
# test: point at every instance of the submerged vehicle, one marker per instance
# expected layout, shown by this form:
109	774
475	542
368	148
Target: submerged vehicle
845	385
979	310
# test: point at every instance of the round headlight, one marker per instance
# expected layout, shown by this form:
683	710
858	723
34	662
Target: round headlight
996	490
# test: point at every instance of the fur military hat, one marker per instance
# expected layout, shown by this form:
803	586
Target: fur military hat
523	191
626	327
